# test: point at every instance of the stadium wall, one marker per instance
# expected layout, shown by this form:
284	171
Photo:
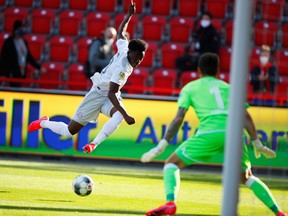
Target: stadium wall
152	116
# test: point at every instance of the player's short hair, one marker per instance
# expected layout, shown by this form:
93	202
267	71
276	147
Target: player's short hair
137	45
209	64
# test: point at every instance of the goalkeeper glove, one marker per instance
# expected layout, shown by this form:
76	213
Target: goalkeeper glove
259	149
154	152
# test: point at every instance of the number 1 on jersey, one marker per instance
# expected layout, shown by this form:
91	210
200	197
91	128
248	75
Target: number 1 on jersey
218	97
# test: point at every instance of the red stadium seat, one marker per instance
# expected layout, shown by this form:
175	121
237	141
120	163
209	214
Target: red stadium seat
55	4
83	45
42	21
218	8
2	3
153	27
188	76
164	81
54	73
139	5
104	6
78	5
150	55
30	76
281	61
60	48
272	10
229	32
36	44
97	23
76	76
170	52
158	8
24	3
70	22
265	33
3	37
180	29
282	87
189	8
137	79
12	14
225	58
223	76
132	24
254	57
285	35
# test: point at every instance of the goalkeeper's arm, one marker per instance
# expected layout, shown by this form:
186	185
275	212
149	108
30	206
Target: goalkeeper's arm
170	133
258	147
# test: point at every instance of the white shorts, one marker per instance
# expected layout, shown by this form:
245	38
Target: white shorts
93	103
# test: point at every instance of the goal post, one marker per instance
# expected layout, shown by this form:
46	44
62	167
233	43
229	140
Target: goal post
238	79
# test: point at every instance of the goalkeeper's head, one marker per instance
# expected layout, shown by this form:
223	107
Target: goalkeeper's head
208	64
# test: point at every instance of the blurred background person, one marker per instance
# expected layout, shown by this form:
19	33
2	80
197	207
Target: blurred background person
206	37
100	52
15	55
264	75
189	60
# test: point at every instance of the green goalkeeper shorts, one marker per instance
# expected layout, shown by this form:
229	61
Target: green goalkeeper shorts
199	149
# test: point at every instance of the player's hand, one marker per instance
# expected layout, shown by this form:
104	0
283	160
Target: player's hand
132	8
88	148
154	152
259	149
129	119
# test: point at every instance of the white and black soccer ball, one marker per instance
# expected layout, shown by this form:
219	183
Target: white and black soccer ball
83	185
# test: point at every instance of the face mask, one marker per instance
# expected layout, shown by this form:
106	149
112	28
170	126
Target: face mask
205	23
20	32
263	60
109	41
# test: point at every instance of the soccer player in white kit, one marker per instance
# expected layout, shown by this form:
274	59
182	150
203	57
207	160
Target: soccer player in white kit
104	95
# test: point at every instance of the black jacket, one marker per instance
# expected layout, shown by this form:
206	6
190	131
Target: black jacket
9	66
208	38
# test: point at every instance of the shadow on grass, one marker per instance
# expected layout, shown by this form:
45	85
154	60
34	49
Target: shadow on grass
32	208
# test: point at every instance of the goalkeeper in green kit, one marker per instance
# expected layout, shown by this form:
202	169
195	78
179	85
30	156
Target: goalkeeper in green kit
209	98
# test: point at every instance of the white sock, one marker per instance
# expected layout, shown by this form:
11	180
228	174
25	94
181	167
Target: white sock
109	127
57	127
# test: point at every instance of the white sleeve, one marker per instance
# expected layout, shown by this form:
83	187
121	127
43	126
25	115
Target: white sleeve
122	45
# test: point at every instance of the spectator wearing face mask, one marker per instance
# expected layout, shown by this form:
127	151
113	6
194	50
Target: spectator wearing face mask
15	55
206	37
100	52
264	75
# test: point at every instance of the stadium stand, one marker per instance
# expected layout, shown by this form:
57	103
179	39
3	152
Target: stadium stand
137	82
70	22
77	80
36	44
82	49
61	31
53	75
153	27
180	29
188	8
96	23
43	21
14	13
170	52
61	48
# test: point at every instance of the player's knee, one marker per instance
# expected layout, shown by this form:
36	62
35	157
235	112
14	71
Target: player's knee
245	176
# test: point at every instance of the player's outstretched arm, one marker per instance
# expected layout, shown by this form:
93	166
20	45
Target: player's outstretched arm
163	143
258	147
124	24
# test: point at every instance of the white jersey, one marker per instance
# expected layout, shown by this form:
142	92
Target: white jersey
118	70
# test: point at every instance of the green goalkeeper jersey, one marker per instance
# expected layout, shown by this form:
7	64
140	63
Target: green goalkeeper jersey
209	98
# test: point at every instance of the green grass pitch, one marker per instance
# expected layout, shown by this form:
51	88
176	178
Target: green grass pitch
35	188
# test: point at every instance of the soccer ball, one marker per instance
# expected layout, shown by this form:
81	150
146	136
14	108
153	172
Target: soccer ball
83	185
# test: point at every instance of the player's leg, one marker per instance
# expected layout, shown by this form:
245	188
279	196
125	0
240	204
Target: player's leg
171	173
88	109
109	127
259	188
